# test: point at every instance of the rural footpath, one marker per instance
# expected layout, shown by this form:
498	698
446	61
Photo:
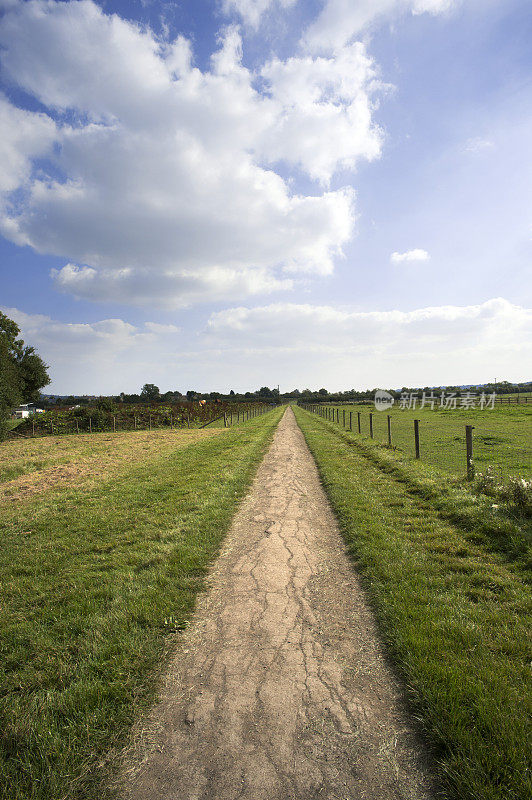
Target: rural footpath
278	689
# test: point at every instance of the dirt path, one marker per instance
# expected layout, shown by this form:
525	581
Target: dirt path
279	690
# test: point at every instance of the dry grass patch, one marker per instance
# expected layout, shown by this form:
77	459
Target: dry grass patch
35	466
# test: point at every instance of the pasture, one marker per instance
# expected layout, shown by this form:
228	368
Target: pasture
97	573
448	578
502	437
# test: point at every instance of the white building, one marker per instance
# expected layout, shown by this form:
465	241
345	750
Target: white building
25	410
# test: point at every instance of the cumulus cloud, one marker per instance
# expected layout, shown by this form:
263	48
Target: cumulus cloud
441	344
341	20
107	356
417	254
160	184
296	345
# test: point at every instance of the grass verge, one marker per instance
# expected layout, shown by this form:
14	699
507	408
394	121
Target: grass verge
93	583
453	614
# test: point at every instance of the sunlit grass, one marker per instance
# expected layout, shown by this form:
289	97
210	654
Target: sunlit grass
90	579
453	610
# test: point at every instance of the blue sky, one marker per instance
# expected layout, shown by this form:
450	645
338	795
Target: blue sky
220	195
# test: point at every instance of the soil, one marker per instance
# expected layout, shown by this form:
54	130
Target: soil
279	689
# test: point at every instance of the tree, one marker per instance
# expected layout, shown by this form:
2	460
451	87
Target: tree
149	392
22	372
323	392
191	394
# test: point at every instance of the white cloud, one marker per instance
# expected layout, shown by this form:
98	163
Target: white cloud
251	11
327	121
295	345
160	187
341	20
156	327
417	254
434	345
23	136
104	356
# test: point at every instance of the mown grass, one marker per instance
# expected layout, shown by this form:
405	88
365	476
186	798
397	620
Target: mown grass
93	582
56	461
502	437
454	615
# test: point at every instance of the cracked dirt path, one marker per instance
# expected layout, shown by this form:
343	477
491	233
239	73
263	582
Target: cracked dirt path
279	690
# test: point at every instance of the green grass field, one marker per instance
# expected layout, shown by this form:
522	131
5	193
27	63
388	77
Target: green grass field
448	580
502	438
96	577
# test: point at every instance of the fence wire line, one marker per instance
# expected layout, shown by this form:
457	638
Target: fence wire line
502	445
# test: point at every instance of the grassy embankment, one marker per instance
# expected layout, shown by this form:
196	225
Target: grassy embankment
95	578
502	437
447	579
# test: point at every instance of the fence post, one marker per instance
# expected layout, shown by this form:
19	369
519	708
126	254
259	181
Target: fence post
416	437
225	420
350	420
343	412
90	424
389	430
338	416
469	451
77	426
150	422
135	423
114	424
371	425
33	427
188	420
359	424
171	422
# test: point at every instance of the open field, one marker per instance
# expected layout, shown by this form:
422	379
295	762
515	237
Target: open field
502	437
96	577
34	466
448	579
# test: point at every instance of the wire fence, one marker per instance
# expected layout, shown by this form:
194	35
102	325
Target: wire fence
456	442
97	421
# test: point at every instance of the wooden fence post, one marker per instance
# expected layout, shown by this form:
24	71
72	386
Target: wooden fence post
469	451
114	424
33	427
359	425
150	422
90	424
371	425
416	437
225	420
135	422
389	430
338	416
77	426
350	420
343	412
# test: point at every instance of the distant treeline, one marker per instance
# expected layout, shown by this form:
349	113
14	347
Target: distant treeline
150	394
